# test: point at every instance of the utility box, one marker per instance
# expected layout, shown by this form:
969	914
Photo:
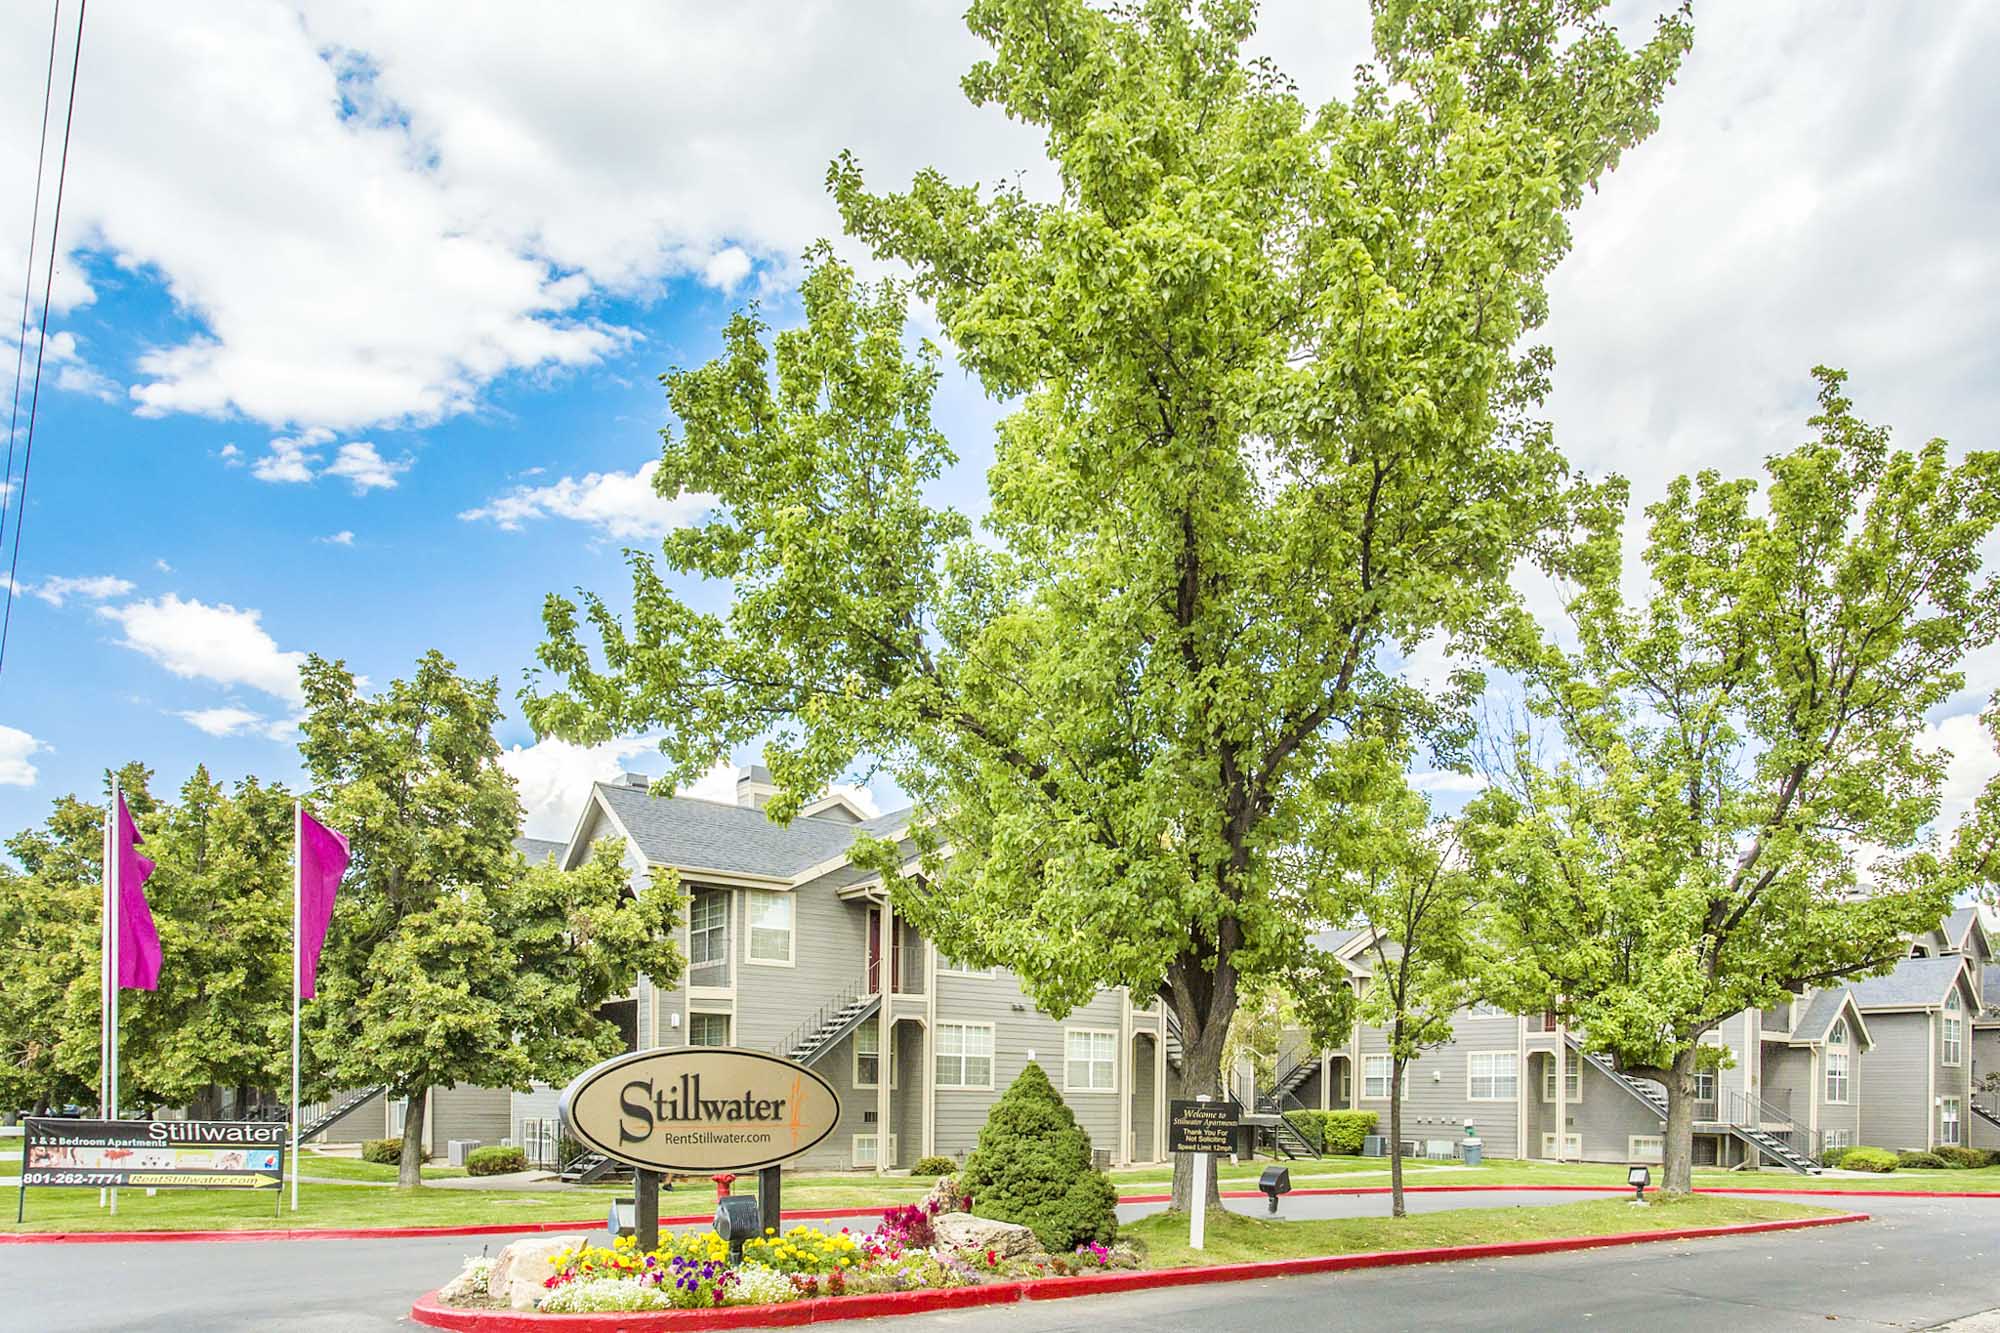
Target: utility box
1375	1145
456	1150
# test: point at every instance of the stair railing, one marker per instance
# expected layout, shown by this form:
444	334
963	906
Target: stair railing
853	993
1748	1112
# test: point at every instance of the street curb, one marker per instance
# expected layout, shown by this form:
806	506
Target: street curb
427	1311
874	1210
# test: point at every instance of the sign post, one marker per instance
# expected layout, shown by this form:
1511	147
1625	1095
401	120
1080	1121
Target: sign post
646	1208
151	1154
1203	1127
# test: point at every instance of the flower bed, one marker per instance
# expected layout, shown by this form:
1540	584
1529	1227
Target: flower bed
692	1271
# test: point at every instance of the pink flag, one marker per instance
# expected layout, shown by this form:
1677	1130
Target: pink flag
322	861
138	939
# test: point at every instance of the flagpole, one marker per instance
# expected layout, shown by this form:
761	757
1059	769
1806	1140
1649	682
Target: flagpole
104	969
117	848
298	893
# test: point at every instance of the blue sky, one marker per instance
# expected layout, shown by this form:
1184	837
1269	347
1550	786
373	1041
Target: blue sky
364	270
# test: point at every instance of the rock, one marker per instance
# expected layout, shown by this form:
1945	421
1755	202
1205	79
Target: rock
946	1196
963	1231
470	1286
523	1269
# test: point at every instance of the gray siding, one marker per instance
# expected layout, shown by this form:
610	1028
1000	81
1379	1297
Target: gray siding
1896	1109
1437	1104
465	1112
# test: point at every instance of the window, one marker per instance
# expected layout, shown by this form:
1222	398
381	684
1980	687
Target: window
956	968
708	1029
1646	1148
399	1115
1836	1064
708	930
1490	1076
1090	1061
1572	1079
1836	1138
1484	1009
1704	1087
965	1055
1948	1121
868	1059
1954	1029
770	927
1347	1082
1375	1071
864	1149
1546	1021
1572	1145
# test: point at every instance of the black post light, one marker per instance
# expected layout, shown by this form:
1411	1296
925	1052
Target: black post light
737	1220
1276	1180
1638	1177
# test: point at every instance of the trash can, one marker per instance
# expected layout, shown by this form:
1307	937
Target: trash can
1470	1149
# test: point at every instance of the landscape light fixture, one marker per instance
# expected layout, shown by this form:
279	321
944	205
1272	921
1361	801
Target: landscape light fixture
737	1220
624	1217
1638	1177
1276	1180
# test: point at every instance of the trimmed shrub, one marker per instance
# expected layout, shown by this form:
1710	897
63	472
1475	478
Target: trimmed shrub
935	1166
1833	1157
1920	1161
1345	1130
495	1160
1309	1128
1880	1161
1032	1167
1965	1159
385	1152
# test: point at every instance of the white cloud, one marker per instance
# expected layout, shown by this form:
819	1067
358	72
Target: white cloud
95	588
554	779
230	720
218	643
726	268
16	747
230	455
1973	764
622	504
73	374
367	470
163	566
1443	780
288	459
342	538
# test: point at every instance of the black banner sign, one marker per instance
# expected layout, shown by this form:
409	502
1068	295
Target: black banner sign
154	1154
1200	1127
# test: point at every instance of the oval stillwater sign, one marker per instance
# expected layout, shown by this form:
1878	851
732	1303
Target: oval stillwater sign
699	1109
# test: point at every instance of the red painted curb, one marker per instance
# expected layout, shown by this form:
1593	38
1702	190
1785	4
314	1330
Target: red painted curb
301	1233
791	1314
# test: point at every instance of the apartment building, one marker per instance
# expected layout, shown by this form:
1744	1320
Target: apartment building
1892	1061
794	950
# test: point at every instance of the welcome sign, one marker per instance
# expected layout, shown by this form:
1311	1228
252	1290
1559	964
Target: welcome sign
701	1109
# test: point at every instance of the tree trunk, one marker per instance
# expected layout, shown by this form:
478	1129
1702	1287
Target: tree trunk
1396	1072
1201	1072
409	1167
1677	1145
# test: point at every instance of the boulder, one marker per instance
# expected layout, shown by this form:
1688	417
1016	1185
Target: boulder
470	1286
945	1197
963	1231
523	1269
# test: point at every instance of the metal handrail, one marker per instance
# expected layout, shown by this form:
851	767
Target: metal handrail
857	990
1748	1112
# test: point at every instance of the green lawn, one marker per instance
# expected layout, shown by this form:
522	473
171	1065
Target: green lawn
1234	1238
353	1168
1548	1173
319	1206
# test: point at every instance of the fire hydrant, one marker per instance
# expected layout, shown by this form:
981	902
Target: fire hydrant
722	1183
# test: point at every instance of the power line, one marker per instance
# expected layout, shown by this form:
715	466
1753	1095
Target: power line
42	341
28	273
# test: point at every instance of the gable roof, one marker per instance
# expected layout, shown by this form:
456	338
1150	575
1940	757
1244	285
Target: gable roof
1817	1018
1958	927
1990	988
538	850
1917	983
696	835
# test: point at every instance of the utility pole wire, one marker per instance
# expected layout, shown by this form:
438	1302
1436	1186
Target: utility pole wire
28	272
42	342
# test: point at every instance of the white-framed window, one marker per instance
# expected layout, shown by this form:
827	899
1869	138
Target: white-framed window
952	967
868	1058
1572	1079
1646	1148
1836	1064
771	935
1484	1009
399	1115
1375	1078
1948	1121
1491	1076
964	1055
1954	1028
1090	1060
708	928
708	1029
1572	1145
1704	1086
1835	1138
864	1149
1347	1082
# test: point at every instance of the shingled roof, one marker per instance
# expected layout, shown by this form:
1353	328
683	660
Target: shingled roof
1917	983
737	839
538	850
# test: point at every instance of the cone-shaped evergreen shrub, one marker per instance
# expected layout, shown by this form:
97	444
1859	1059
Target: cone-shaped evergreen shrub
1033	1167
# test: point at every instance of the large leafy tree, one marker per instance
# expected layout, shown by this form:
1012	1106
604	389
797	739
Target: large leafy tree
449	960
1271	420
1736	804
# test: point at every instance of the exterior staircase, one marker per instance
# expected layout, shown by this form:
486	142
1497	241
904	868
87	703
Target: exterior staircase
1987	1113
588	1168
325	1120
1775	1146
829	1023
1650	1093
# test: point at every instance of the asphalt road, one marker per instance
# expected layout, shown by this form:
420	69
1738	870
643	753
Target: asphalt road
1920	1263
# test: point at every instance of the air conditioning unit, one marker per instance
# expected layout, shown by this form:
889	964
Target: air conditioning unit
456	1150
1375	1145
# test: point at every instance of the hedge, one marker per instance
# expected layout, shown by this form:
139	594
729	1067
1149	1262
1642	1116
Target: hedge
495	1160
1879	1161
385	1152
1336	1133
1965	1159
935	1166
1032	1166
1920	1161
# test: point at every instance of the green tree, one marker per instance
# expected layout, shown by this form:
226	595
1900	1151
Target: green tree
1271	422
1737	806
1419	903
449	960
1032	1166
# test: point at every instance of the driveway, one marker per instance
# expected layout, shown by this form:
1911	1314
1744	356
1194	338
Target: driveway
1920	1263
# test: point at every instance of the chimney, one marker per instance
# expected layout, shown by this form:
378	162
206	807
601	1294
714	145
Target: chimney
638	780
754	787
